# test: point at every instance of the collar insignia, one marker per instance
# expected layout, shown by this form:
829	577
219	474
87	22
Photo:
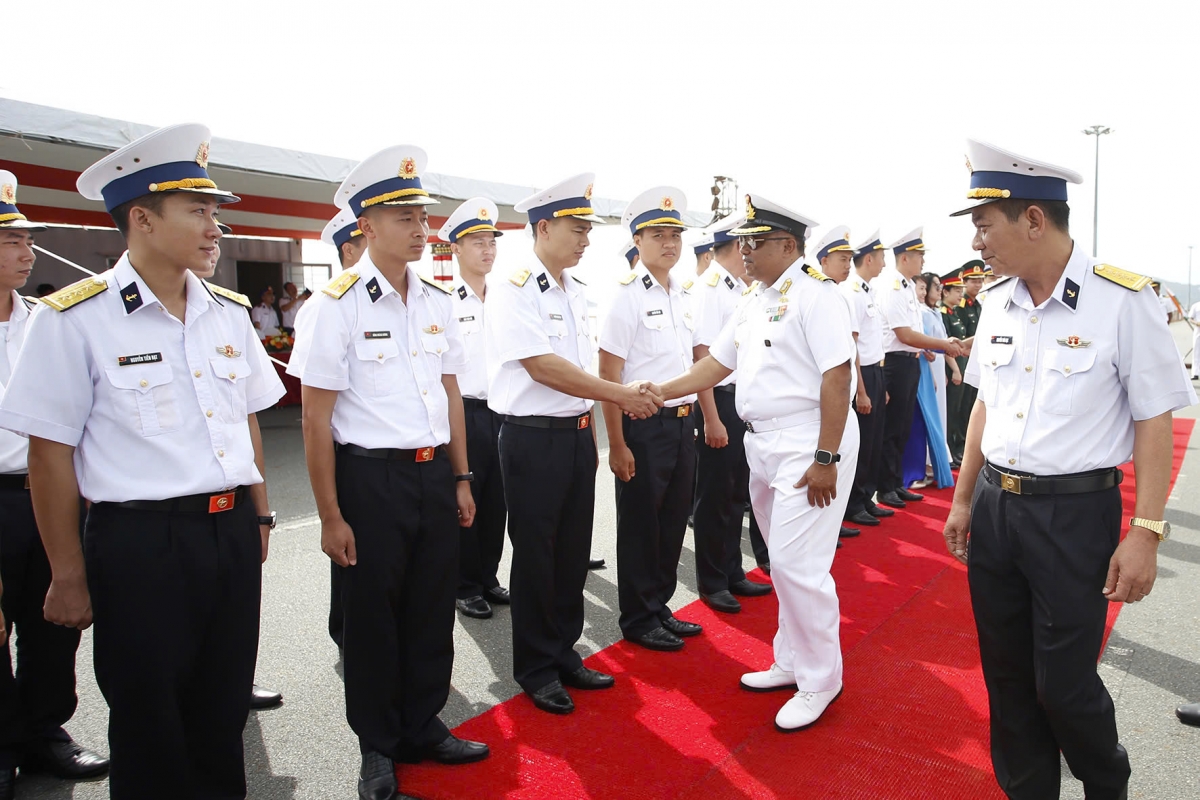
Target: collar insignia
132	297
647	281
1070	293
373	289
462	293
543	282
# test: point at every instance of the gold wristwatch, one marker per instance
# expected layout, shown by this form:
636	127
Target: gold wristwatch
1162	528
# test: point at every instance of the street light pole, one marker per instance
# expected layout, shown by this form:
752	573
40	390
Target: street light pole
1097	131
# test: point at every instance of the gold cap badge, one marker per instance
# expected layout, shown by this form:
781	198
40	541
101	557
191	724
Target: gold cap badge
8	194
667	204
202	155
749	208
587	193
408	168
484	214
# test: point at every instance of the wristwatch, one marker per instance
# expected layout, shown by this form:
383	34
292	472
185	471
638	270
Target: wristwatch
825	458
466	476
1162	528
268	520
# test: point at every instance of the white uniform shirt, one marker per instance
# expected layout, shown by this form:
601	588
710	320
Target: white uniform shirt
897	299
289	316
14	449
865	319
1053	408
468	310
716	296
385	359
266	320
1168	305
652	328
154	407
536	318
782	342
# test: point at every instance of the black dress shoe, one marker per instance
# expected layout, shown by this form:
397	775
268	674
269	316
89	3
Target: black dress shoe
863	518
722	601
474	607
955	465
658	639
748	588
892	499
681	628
552	698
376	777
584	678
497	596
848	533
457	751
595	563
261	698
1189	714
66	760
8	779
909	497
879	513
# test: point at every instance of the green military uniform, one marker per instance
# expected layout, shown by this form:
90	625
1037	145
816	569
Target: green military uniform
954	437
961	399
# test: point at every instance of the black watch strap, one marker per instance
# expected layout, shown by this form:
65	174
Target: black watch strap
269	519
466	476
825	457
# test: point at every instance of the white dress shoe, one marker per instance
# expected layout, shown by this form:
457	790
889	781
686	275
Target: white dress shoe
772	680
804	709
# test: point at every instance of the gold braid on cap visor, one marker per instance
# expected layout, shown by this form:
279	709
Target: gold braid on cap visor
988	194
396	195
663	221
186	183
12	217
476	229
573	212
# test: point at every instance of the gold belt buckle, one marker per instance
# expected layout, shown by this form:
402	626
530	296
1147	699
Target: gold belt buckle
1010	483
583	423
683	411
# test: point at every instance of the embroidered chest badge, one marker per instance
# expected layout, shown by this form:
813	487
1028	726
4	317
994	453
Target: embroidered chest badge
228	351
1074	342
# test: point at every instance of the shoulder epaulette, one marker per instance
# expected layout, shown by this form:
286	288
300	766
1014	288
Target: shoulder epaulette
946	310
76	293
436	284
519	277
713	279
1121	277
341	284
581	283
812	272
750	288
628	279
236	297
962	303
687	285
855	286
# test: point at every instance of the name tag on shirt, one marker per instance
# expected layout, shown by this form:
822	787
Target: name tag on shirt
654	313
1002	340
467	319
556	317
144	358
377	334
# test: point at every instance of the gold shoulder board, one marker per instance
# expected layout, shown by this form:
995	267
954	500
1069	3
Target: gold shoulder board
856	286
1121	277
340	285
687	286
519	277
816	273
75	294
628	279
436	284
750	288
236	297
714	278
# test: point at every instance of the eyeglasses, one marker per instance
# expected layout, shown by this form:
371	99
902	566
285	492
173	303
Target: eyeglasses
753	243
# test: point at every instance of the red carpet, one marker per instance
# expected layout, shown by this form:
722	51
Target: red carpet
911	724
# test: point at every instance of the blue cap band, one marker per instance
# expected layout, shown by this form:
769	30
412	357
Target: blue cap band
478	224
915	246
703	248
137	184
659	217
1022	187
400	187
869	247
540	213
345	234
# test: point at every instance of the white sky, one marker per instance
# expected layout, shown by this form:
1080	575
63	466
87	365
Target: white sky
849	112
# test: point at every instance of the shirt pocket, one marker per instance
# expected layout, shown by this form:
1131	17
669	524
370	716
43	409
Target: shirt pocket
470	326
231	377
993	368
1067	381
657	332
379	367
145	397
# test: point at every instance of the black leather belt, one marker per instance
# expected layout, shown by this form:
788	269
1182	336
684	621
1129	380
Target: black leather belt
1079	483
729	387
675	411
580	423
420	455
904	353
474	402
191	504
14	482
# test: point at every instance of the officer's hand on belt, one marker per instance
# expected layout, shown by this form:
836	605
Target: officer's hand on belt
640	399
466	504
821	480
958	524
1133	567
337	542
621	462
68	603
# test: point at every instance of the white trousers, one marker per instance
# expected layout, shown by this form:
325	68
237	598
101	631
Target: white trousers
1196	351
801	539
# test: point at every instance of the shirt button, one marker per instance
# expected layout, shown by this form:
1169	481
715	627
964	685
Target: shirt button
424	392
439	350
232	376
1020	415
197	373
414	352
1029	369
1033	320
143	382
379	356
1012	461
993	363
220	454
1066	369
208	413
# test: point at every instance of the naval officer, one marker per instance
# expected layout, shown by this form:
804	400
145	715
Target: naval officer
792	348
377	353
37	690
149	413
1076	372
539	348
471	231
649	333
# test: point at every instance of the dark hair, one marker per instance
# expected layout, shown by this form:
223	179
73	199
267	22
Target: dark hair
721	247
859	258
1057	211
929	278
150	202
353	240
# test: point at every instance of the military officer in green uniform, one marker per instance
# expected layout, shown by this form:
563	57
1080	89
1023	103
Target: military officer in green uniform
960	399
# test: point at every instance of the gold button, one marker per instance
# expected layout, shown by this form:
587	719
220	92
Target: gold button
220	454
1029	369
424	392
1033	320
379	356
439	350
144	382
197	373
993	363
232	376
1020	415
414	352
1012	461
208	413
1066	369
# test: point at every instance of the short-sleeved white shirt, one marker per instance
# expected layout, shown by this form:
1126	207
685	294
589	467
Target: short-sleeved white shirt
529	314
468	310
896	297
1064	382
289	316
266	319
384	357
865	319
782	341
14	448
716	296
652	328
154	407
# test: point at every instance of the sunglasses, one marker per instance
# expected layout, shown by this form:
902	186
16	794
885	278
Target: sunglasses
753	242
